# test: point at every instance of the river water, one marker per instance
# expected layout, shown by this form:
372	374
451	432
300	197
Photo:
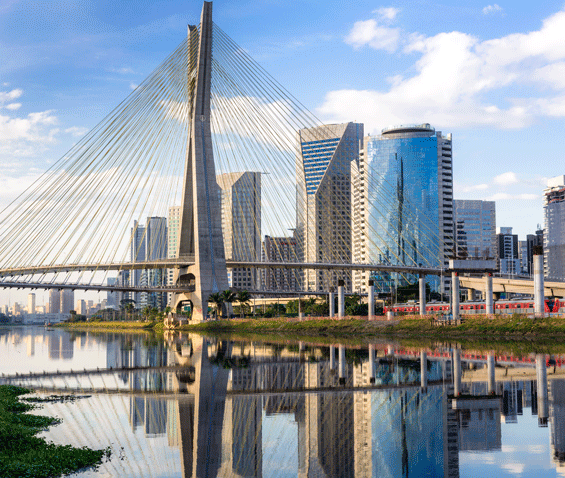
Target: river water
189	406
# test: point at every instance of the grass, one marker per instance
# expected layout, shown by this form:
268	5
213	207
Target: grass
23	454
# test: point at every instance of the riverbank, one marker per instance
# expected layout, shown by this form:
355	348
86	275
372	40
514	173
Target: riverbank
502	327
24	454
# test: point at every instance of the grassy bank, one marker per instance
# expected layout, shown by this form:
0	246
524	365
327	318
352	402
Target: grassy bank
112	326
22	454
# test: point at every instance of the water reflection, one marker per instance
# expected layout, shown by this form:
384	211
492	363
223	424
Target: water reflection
191	406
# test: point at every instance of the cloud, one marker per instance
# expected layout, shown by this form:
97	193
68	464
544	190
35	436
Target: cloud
376	33
77	131
459	80
133	86
122	71
506	179
490	9
461	188
6	96
13	106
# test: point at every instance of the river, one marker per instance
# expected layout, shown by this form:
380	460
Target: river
184	405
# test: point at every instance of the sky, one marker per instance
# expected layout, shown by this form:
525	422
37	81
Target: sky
492	74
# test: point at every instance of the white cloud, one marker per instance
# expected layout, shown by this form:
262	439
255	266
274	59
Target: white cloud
492	9
77	131
13	106
376	33
462	188
6	96
506	179
516	468
387	13
459	80
122	71
133	86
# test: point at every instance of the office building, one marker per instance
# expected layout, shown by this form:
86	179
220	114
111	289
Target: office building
240	197
137	254
532	240
67	301
508	260
54	301
323	204
31	303
554	228
80	307
403	204
173	233
279	249
112	296
475	229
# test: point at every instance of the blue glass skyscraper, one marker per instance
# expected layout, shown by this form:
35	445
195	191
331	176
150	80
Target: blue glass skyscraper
403	201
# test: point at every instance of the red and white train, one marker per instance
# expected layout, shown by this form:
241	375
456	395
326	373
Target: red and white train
514	306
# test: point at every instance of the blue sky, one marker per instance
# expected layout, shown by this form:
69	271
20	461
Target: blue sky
492	74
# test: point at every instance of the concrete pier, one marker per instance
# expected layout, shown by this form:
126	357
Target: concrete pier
539	308
332	357
489	303
455	295
422	288
341	299
372	369
331	301
371	300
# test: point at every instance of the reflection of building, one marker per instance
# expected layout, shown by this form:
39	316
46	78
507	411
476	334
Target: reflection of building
324	199
60	346
149	412
241	224
557	420
403	202
479	424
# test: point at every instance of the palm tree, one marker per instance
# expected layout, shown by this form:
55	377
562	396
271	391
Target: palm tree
228	296
217	299
243	297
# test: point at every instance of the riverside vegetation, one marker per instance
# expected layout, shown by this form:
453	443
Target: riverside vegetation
23	454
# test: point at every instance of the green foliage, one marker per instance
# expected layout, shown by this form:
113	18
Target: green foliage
22	454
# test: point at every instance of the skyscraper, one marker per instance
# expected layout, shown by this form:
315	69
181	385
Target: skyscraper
240	195
31	303
279	249
403	203
67	301
324	200
173	225
475	228
554	233
508	260
54	301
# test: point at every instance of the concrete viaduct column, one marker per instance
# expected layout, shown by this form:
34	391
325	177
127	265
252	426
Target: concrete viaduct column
332	357
455	295
423	370
456	372
491	374
340	299
541	372
489	306
331	303
422	287
341	365
539	309
371	364
371	300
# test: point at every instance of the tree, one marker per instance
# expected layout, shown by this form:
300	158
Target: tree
243	297
228	296
218	301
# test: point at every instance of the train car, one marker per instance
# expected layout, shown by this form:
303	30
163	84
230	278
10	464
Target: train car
513	306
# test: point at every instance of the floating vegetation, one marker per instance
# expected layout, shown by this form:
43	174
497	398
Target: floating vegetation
55	398
22	454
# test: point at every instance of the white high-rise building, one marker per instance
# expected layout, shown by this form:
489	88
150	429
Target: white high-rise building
475	228
67	301
54	301
31	303
241	225
554	233
323	201
173	233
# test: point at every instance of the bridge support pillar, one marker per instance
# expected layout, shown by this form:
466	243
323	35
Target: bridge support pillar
455	295
340	299
341	365
539	309
422	290
541	372
372	370
489	306
456	372
423	370
371	300
332	357
331	303
491	374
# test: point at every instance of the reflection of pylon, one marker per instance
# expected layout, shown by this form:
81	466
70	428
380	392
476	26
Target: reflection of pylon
200	232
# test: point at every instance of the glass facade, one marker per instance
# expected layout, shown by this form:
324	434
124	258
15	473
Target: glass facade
403	201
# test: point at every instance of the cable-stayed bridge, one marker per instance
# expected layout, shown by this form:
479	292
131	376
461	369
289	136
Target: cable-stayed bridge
207	156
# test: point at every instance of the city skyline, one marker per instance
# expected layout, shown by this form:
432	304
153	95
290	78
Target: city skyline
25	139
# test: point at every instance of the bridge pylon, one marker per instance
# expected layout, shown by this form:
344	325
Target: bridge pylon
200	231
